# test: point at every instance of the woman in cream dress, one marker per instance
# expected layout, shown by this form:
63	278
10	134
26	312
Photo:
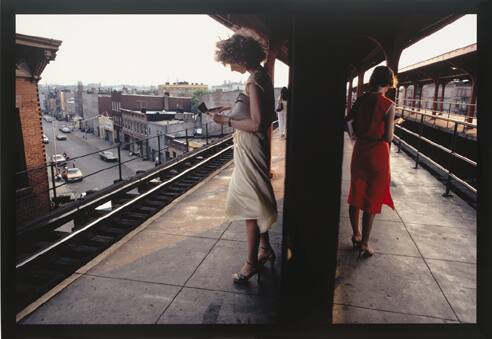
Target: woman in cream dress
250	195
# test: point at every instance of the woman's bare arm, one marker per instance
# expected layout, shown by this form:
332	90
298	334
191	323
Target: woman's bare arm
389	120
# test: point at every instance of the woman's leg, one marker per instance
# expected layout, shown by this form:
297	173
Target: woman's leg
265	240
367	220
253	236
281	123
354	221
265	252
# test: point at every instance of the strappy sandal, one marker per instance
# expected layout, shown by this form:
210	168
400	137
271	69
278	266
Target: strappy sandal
263	259
365	252
241	278
355	242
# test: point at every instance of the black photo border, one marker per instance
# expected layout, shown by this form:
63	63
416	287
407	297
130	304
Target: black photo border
9	8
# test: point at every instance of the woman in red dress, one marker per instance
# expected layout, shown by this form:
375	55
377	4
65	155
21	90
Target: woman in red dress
373	119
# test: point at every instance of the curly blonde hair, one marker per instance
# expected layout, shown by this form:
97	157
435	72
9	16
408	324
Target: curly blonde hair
240	49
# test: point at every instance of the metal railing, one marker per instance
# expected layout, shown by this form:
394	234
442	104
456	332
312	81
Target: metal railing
54	168
432	117
450	108
450	151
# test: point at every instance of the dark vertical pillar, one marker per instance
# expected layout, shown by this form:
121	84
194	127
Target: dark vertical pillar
312	198
443	90
349	97
484	214
392	54
405	95
436	93
360	83
473	101
421	87
415	88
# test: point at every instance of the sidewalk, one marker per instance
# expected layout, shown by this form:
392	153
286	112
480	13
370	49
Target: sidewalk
135	165
424	268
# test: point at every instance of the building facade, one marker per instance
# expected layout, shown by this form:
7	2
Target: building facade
181	89
32	187
134	104
90	110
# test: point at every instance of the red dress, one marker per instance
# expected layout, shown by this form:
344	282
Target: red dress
370	167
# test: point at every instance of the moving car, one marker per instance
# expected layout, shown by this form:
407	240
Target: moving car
45	139
65	129
108	156
59	159
61	137
47	118
72	174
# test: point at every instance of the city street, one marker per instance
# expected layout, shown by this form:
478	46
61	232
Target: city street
76	146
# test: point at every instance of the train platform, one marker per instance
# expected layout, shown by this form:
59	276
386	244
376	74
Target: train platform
424	268
176	267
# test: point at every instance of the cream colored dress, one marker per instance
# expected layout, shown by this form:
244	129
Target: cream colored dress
250	194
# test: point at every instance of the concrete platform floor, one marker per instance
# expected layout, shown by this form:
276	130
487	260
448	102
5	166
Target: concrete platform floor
424	268
176	268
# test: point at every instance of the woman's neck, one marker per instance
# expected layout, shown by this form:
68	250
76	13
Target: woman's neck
254	68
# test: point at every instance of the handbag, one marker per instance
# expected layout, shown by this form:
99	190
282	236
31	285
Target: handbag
280	106
240	109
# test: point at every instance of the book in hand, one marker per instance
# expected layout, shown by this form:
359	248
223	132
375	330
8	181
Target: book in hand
213	110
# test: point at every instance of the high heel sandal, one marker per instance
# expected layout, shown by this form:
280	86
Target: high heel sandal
365	252
263	259
241	278
355	242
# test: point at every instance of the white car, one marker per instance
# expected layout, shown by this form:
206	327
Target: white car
61	137
72	174
47	118
45	139
59	159
108	156
65	129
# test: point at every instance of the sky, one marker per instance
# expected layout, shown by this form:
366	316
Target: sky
149	50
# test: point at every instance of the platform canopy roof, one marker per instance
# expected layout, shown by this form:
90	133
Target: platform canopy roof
457	64
369	38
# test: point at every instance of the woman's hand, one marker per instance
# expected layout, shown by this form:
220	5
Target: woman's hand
219	109
221	119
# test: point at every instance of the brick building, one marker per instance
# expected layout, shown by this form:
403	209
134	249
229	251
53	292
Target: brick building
135	103
32	188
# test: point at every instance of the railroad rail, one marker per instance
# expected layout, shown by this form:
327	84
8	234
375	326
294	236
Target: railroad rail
46	257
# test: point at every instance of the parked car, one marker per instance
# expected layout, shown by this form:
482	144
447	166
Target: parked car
72	174
45	139
59	159
61	137
108	156
65	129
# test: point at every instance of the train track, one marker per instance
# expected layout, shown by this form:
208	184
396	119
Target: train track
45	262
